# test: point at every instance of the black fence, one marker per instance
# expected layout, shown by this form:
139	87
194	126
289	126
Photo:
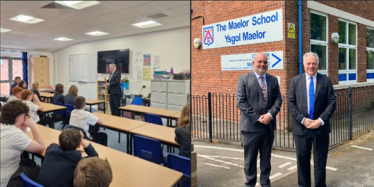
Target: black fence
216	116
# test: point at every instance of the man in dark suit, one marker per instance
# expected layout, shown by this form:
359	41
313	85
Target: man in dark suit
259	99
311	102
14	84
114	87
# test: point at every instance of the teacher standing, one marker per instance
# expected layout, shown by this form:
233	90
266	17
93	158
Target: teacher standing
114	88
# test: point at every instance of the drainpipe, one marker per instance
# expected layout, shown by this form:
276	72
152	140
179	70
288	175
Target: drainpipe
300	39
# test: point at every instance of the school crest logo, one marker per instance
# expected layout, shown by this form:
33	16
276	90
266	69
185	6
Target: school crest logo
208	35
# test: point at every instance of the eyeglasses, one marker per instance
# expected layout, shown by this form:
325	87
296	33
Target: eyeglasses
27	115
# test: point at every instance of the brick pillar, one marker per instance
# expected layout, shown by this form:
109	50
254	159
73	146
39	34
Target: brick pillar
193	168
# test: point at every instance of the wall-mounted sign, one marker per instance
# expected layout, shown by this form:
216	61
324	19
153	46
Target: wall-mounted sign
258	28
244	61
291	30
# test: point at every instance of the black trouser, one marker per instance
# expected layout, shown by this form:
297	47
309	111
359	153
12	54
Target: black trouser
100	137
304	145
255	142
114	104
26	166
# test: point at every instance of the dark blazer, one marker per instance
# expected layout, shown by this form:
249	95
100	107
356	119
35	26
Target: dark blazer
14	84
183	137
69	99
250	101
36	92
58	167
59	98
115	83
324	103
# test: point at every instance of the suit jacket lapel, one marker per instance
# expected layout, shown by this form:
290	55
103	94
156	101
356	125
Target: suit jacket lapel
318	87
268	89
303	93
256	83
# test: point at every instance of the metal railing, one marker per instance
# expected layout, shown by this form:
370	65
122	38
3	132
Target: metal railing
216	116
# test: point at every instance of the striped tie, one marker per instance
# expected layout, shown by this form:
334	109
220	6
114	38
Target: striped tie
263	87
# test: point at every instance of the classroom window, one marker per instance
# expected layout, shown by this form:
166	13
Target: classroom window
370	54
318	39
347	52
10	68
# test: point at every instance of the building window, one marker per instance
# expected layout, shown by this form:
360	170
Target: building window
347	52
318	39
10	67
370	54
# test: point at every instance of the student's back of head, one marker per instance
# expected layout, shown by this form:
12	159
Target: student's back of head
25	94
80	102
69	139
16	91
93	172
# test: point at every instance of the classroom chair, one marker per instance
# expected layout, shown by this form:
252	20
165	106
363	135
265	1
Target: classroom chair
61	112
69	109
27	182
151	118
78	128
181	164
148	149
137	101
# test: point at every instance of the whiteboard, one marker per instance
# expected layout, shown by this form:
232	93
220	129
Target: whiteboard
83	68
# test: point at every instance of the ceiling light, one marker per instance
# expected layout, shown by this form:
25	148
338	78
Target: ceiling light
97	33
146	24
26	19
4	30
78	4
63	39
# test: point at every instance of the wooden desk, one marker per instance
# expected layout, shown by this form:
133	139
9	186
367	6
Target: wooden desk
127	170
119	124
91	102
46	96
176	115
48	107
168	114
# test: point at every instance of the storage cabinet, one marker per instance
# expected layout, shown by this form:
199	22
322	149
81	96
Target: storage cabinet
169	94
102	94
40	71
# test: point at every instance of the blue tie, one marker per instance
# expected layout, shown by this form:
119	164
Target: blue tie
311	98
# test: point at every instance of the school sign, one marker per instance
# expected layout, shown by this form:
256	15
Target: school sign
259	28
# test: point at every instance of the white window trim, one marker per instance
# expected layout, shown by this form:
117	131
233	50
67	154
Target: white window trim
322	43
347	47
371	49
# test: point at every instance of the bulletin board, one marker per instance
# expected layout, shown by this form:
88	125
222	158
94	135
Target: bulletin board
83	68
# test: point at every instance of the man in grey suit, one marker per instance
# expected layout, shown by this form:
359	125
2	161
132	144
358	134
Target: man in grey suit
259	99
311	101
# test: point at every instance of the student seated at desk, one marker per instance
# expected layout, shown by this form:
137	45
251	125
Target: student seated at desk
93	172
16	91
14	121
34	89
14	84
72	94
58	97
84	119
182	132
22	84
61	159
27	96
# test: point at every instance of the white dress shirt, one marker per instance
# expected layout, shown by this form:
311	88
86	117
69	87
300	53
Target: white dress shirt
307	93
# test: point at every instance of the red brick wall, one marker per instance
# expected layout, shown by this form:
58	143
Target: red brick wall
206	64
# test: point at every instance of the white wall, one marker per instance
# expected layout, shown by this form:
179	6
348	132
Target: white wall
173	47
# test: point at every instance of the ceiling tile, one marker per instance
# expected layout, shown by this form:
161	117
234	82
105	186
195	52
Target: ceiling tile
186	9
123	4
100	9
144	9
170	4
118	15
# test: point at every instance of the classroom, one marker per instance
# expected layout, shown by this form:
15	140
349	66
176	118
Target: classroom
111	79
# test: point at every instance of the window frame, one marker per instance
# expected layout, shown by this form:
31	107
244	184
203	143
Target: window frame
347	46
369	49
10	70
322	43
